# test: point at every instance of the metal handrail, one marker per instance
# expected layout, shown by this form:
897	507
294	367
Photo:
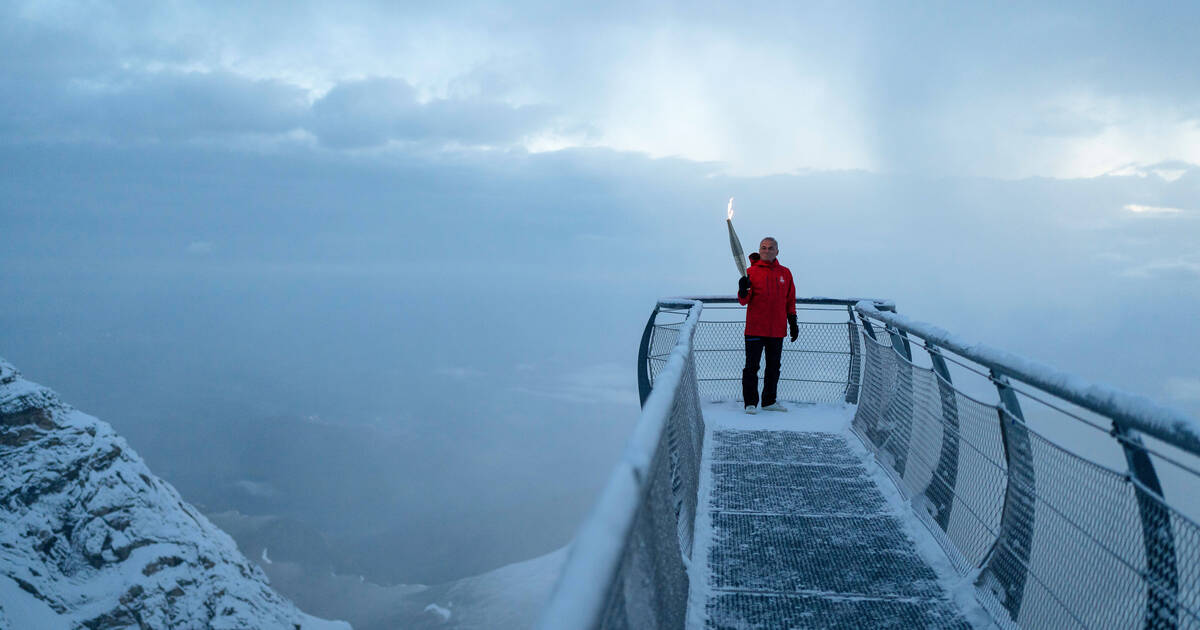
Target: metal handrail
1006	566
644	379
884	305
585	587
1128	410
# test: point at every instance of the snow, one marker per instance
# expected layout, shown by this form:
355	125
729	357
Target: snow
101	541
699	583
886	305
1132	411
509	597
444	613
835	419
799	417
19	609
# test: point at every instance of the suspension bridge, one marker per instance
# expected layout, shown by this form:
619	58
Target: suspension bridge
918	480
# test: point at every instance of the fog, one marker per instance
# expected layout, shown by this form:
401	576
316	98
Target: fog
398	307
434	368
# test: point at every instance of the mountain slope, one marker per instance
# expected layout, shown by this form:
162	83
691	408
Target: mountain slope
90	538
511	596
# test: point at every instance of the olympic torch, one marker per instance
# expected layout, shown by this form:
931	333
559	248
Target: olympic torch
739	258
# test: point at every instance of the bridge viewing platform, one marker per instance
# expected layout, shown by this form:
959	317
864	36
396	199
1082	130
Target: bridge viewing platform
918	480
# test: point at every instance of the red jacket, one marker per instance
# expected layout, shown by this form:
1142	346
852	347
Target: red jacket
771	299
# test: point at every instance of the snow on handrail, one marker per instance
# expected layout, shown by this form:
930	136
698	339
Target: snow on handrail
886	305
1129	410
581	595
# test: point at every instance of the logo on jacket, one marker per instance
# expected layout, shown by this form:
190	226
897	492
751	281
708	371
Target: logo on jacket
780	279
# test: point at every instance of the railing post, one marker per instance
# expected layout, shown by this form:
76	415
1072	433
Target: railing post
940	491
899	344
899	410
1007	565
868	327
907	348
852	377
1162	575
644	385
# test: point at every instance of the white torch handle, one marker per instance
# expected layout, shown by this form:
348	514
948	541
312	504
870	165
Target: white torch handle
735	244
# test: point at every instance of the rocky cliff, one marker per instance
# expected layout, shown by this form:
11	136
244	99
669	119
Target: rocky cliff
90	538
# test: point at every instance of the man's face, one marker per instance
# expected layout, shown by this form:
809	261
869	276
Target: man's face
768	250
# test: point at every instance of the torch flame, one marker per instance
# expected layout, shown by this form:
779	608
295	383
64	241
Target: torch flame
729	210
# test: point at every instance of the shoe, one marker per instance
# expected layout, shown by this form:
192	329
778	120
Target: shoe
751	409
775	407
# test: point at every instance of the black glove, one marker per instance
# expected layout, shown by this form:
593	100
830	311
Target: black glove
743	286
793	327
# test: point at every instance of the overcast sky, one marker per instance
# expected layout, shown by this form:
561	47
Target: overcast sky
1005	90
448	221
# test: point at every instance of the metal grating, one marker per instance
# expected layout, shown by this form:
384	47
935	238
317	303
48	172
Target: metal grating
754	611
851	555
792	489
782	447
802	537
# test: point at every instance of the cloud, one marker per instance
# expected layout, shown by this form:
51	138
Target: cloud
167	106
184	106
1058	121
1167	171
458	372
1183	388
1152	210
372	112
1185	266
780	89
606	383
257	489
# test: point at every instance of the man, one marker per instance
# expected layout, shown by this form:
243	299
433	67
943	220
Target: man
769	295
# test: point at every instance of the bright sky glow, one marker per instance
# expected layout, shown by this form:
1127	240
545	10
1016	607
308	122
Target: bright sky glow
1140	209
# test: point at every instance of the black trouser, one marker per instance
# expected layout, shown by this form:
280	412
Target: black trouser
754	350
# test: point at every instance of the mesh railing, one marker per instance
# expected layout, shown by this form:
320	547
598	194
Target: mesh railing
938	454
626	566
1059	541
822	365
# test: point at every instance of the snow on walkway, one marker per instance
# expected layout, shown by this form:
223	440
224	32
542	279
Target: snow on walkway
798	528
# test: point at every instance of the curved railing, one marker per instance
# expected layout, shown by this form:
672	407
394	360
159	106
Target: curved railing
822	365
626	566
1050	538
1058	540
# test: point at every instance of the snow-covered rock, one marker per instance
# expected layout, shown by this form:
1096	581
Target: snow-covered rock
90	538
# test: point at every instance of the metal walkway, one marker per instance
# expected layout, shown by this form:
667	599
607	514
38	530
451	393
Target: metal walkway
795	533
929	504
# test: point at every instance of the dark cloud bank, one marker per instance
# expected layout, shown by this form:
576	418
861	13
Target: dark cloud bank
171	107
